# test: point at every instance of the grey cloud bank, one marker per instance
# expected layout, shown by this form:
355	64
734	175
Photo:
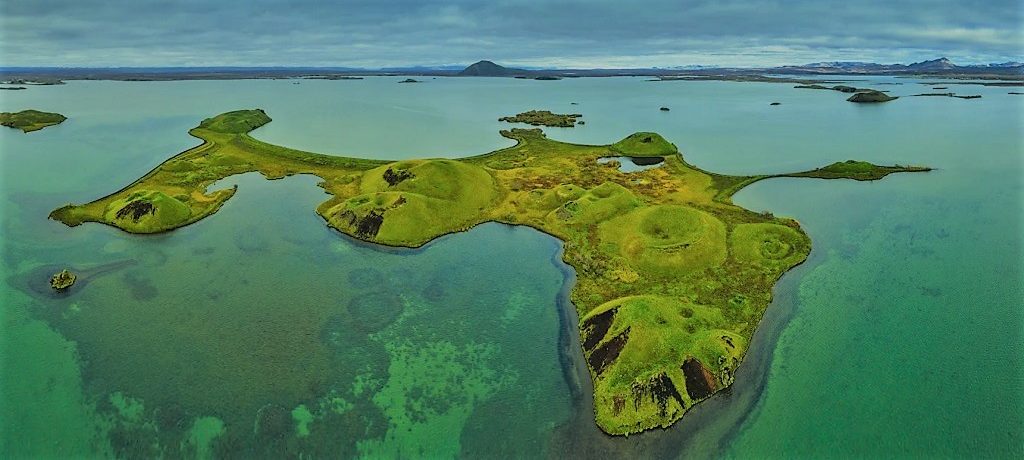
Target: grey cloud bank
597	34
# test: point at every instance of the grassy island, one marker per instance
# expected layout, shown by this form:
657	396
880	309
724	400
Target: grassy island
545	118
871	95
672	277
30	120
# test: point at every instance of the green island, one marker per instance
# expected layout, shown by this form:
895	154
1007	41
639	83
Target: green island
672	277
30	120
545	118
859	94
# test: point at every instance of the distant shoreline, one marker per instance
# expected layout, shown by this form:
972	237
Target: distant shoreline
54	75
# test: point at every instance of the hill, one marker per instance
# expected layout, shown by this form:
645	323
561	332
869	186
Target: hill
490	69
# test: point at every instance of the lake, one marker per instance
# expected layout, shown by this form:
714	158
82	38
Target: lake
261	332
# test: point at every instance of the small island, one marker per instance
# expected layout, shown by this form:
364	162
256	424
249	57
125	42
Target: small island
857	170
862	95
672	277
958	96
30	120
410	80
545	118
62	280
870	96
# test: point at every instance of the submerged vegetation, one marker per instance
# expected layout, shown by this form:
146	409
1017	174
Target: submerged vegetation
672	277
545	118
30	120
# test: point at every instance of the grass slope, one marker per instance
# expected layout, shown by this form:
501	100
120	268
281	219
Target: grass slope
672	278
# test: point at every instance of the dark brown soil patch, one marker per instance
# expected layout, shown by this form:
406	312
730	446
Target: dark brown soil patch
659	389
136	209
699	382
606	354
596	327
394	178
369	225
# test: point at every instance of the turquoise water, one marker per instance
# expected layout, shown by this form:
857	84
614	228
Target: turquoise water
261	332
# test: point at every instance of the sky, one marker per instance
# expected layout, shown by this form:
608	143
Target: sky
541	33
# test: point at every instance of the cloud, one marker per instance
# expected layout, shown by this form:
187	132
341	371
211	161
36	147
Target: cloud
592	33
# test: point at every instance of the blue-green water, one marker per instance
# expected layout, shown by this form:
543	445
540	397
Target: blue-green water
260	332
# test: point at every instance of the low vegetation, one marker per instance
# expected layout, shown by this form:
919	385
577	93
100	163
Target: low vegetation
30	120
672	277
544	118
857	170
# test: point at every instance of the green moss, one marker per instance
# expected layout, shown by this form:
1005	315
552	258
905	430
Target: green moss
672	278
30	120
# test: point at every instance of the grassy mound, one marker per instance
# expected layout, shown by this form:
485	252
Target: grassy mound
146	211
30	120
637	346
644	145
549	199
408	203
776	247
595	205
668	241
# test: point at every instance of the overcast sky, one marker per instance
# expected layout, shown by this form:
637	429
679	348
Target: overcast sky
591	33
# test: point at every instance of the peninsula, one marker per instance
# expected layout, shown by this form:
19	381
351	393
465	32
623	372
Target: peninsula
673	278
30	120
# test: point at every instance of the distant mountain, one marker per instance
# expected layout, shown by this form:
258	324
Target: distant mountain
934	66
490	69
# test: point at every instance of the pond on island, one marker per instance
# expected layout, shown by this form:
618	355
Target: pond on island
633	164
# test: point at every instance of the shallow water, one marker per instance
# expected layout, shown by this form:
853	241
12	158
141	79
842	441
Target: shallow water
260	331
630	164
